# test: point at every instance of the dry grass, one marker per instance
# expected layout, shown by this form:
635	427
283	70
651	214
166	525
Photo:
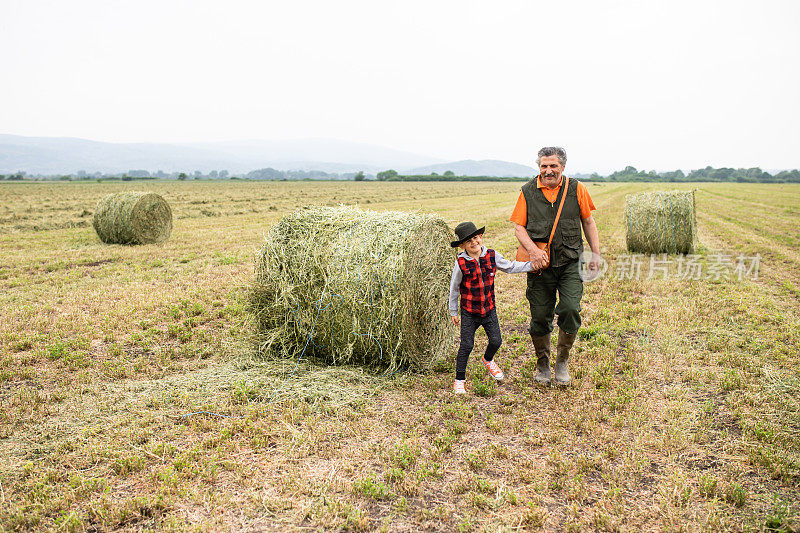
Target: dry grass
683	414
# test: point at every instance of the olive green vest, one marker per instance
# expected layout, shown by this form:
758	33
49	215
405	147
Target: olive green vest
567	245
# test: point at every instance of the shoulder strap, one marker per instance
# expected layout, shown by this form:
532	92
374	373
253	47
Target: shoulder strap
558	214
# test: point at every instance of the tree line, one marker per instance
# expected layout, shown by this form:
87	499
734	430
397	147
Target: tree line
724	174
629	173
393	175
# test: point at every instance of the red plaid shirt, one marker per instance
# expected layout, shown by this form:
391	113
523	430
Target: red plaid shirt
477	283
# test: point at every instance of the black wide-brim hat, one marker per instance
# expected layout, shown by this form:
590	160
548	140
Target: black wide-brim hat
465	231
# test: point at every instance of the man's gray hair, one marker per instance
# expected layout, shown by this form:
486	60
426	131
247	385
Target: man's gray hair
553	150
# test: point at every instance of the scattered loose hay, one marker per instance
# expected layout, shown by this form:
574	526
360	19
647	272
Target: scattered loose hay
133	218
325	388
661	222
354	286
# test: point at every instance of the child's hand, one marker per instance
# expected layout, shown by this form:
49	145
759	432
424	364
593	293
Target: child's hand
456	320
538	258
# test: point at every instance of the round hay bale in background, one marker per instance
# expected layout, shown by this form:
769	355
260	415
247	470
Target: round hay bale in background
133	218
661	222
355	286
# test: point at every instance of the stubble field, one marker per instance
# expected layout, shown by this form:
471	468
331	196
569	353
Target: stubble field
684	413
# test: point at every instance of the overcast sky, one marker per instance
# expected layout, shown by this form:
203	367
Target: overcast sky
659	85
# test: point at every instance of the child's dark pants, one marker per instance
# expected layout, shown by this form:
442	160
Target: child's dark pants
470	322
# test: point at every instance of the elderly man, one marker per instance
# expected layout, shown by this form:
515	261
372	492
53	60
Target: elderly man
533	218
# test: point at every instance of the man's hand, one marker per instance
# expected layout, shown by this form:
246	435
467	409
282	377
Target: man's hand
538	257
594	265
456	320
590	230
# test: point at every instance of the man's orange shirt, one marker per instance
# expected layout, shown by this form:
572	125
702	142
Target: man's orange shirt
520	213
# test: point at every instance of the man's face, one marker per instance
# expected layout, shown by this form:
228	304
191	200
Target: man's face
550	170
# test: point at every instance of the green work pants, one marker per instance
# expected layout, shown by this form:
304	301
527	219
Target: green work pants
541	294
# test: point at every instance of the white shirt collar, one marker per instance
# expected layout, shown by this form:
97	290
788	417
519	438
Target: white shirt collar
466	256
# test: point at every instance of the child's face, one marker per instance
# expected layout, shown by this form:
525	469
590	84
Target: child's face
473	246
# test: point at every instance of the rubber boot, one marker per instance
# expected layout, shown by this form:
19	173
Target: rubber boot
542	346
565	342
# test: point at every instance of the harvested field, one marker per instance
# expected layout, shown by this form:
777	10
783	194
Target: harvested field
131	399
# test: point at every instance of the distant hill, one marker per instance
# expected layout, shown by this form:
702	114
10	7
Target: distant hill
59	155
469	167
300	154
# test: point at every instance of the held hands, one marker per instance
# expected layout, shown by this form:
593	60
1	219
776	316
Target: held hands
538	258
456	320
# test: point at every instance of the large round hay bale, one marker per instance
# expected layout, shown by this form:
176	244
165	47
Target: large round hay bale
355	286
661	222
133	218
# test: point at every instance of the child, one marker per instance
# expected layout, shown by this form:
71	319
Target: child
473	279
